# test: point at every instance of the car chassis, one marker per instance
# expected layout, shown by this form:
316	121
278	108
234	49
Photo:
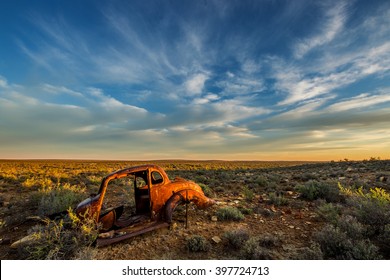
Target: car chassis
155	202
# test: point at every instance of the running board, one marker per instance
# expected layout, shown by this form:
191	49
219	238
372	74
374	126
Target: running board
107	241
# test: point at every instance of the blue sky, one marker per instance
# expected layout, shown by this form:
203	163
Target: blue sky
256	80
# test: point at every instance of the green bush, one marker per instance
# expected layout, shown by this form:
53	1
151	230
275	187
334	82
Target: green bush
336	244
261	181
229	214
197	243
206	190
329	212
248	194
236	238
383	241
313	190
57	199
371	212
259	247
59	240
246	211
277	199
309	253
351	226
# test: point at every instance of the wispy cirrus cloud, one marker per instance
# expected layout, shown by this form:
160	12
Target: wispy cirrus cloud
339	65
254	78
360	102
332	24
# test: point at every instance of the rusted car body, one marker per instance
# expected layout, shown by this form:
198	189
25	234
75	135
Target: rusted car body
155	200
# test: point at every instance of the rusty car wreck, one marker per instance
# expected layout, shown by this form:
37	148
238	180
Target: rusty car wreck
155	199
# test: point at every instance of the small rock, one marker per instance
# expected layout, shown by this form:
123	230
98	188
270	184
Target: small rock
308	223
23	241
291	226
341	178
349	169
382	179
290	193
298	228
262	221
5	241
216	239
214	218
109	234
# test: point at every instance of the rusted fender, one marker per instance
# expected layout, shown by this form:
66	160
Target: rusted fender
186	196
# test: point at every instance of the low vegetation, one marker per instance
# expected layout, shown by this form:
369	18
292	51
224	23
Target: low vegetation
264	210
229	214
198	243
59	239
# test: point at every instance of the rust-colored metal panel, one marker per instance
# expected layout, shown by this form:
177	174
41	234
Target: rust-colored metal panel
155	203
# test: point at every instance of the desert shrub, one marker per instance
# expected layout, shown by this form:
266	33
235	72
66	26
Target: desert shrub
364	249
309	253
58	198
371	208
378	194
313	190
37	182
198	243
336	244
248	194
371	212
263	211
273	177
246	211
351	226
258	247
329	212
261	180
236	238
95	180
229	214
268	240
253	251
333	243
55	240
277	199
384	242
86	253
206	190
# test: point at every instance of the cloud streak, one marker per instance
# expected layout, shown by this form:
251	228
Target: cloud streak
200	81
334	21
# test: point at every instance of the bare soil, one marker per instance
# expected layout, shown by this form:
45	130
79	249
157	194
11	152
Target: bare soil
293	223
